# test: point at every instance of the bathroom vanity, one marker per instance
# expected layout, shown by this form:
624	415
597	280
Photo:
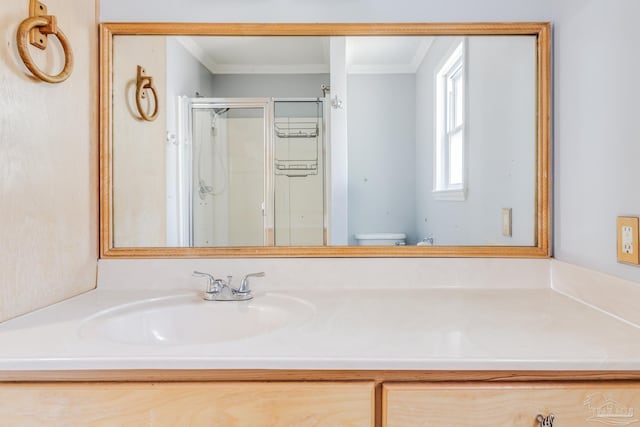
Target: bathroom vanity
350	356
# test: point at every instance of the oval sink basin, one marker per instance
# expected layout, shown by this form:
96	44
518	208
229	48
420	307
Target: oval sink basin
189	320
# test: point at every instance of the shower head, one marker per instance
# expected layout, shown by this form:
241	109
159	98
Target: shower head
217	112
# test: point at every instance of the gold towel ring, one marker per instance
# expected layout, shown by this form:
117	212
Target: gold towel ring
46	25
144	82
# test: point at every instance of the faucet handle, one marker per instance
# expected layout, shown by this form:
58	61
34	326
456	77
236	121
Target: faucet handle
244	285
210	280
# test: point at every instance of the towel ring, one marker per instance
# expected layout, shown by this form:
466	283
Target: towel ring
144	82
46	25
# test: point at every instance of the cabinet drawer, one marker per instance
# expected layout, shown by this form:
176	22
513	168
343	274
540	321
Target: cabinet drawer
247	404
511	405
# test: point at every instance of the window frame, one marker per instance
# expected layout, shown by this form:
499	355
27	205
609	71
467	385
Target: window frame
455	62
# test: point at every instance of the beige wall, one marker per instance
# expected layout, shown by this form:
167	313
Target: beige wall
48	164
139	147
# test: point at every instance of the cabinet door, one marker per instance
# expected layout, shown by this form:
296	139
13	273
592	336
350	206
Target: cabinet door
271	404
511	405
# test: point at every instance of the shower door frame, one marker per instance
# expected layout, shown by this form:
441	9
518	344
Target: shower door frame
268	194
326	167
268	208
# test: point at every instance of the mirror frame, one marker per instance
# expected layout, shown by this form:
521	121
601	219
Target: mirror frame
542	241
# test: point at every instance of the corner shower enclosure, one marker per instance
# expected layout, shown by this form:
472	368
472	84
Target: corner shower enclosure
250	172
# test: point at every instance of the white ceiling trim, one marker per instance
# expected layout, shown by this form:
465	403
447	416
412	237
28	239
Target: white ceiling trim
381	69
194	49
421	52
272	69
410	68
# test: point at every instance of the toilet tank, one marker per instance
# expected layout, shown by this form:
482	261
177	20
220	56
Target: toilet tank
381	239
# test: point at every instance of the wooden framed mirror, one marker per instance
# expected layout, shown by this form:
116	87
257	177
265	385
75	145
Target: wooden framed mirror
325	140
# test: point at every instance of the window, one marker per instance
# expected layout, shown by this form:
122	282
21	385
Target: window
449	160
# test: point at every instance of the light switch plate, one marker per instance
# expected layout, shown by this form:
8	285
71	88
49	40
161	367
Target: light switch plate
506	222
628	240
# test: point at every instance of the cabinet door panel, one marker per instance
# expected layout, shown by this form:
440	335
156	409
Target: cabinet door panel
273	404
511	405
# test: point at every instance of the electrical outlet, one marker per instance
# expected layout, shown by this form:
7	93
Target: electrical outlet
628	240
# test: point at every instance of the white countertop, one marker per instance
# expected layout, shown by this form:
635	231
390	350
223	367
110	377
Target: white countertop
412	329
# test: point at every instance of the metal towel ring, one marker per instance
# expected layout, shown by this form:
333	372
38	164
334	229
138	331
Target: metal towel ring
45	25
144	82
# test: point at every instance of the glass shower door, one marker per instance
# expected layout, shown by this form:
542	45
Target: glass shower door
229	181
299	181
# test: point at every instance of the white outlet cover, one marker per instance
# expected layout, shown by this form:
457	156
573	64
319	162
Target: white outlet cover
627	240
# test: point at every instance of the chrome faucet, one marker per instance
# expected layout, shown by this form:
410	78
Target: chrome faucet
214	286
221	290
244	285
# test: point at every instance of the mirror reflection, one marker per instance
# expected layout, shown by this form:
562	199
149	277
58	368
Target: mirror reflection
313	141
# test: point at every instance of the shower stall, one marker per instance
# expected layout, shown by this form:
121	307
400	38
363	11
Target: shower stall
250	172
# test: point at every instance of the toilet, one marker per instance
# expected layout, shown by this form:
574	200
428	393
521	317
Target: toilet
381	239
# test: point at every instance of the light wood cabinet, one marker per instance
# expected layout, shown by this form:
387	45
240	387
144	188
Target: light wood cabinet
511	404
321	399
221	404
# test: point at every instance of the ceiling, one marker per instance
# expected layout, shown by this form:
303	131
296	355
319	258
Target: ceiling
306	54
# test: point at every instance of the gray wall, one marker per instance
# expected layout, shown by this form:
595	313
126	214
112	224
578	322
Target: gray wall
269	85
185	76
381	149
500	141
326	10
597	131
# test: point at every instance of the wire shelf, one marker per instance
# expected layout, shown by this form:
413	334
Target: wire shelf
297	130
